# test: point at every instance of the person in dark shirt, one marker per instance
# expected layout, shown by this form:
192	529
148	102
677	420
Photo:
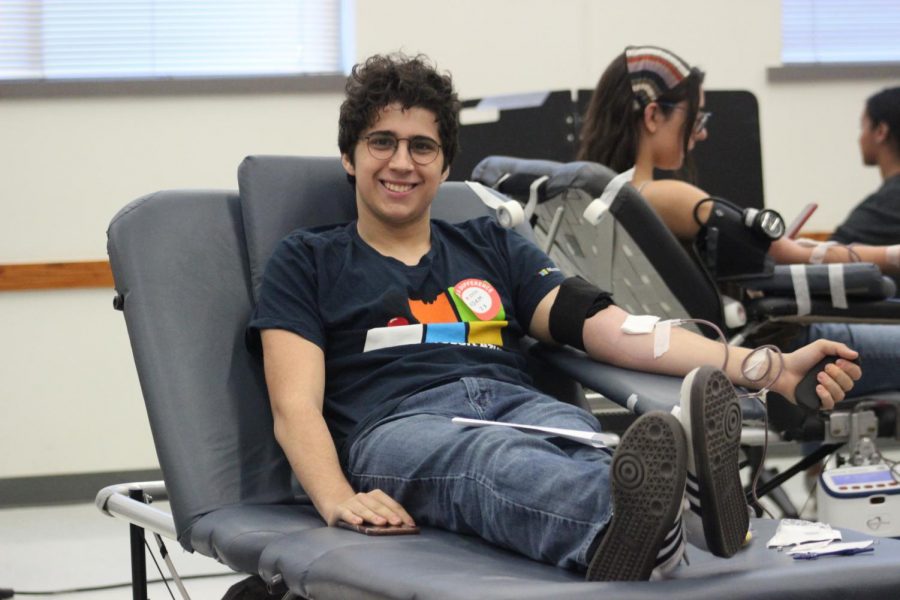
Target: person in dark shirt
876	220
376	333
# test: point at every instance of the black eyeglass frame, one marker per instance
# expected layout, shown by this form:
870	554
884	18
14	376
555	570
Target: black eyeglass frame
374	153
701	119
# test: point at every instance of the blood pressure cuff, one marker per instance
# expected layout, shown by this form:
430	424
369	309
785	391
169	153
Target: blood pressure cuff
577	301
730	249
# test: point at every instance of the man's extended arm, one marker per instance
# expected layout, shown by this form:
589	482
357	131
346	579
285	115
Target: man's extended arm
605	341
295	375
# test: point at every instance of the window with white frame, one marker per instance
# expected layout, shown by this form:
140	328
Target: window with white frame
840	31
171	39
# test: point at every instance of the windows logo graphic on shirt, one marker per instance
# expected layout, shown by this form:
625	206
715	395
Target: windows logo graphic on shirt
471	312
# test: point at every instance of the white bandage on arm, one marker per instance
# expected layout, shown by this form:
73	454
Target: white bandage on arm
643	324
892	254
661	335
818	254
756	366
637	324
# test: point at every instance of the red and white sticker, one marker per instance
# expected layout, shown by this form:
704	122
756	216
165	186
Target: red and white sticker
480	296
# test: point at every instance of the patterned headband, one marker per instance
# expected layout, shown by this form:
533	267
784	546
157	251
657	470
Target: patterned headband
653	71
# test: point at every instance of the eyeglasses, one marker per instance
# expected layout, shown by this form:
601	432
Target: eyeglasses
422	150
702	119
702	116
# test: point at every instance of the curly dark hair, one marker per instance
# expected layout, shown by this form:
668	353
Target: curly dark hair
609	132
396	78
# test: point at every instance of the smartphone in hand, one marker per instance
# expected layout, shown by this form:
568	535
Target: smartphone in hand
794	228
369	529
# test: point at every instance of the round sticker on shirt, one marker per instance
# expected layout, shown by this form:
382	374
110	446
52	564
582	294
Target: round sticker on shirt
480	296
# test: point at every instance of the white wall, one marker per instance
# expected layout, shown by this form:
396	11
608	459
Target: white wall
69	396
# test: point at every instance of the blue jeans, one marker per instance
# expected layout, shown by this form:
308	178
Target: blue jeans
545	498
878	347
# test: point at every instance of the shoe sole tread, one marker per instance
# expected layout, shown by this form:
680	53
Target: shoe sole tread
648	477
715	439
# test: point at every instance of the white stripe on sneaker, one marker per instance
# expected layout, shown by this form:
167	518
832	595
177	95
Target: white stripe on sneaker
671	552
692	491
692	485
670	544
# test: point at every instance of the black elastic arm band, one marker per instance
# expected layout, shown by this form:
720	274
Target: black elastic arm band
576	302
714	200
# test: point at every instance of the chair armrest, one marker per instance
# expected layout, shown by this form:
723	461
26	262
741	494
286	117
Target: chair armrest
861	281
786	310
114	501
637	391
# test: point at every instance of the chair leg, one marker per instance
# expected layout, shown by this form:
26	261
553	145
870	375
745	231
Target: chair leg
138	555
778	496
801	465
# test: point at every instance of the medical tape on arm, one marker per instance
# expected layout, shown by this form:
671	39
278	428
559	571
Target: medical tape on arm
662	334
643	324
801	289
756	366
818	254
598	207
892	253
836	284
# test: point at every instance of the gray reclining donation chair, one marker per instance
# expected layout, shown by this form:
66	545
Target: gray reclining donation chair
636	257
631	253
187	265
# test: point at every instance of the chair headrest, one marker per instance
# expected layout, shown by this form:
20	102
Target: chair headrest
282	193
587	176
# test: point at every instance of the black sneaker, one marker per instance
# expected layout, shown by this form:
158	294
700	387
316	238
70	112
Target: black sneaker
718	518
645	536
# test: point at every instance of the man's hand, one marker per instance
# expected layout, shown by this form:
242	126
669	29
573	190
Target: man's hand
373	507
833	382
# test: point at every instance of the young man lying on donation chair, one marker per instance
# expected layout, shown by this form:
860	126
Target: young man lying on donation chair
376	333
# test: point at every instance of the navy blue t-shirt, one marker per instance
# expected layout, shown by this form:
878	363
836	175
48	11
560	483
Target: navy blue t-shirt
389	330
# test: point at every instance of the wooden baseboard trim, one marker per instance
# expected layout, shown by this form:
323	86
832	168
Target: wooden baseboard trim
819	236
58	275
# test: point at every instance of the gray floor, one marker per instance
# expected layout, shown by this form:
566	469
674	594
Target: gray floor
64	547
